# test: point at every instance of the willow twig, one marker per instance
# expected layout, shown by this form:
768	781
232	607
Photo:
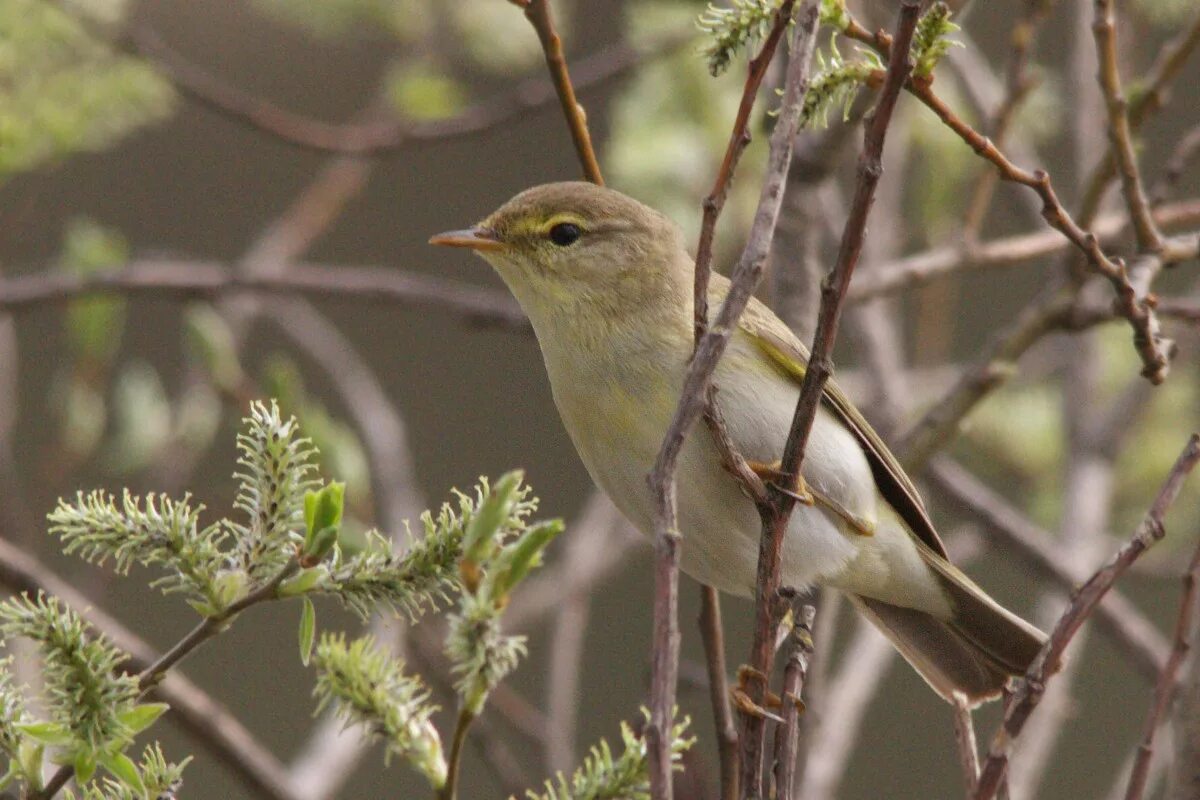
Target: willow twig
1168	680
787	735
540	16
1120	133
968	748
1030	689
833	295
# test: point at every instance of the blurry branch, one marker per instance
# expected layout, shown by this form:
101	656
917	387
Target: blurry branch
1120	133
1168	681
787	734
1030	689
710	346
1117	616
204	719
712	632
968	748
371	138
542	18
1132	302
1185	150
189	280
1017	86
777	512
915	270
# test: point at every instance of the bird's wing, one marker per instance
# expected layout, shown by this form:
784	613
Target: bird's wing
785	350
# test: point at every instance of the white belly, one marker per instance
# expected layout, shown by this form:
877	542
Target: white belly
618	426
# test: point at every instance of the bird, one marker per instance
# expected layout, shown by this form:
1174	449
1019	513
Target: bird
607	285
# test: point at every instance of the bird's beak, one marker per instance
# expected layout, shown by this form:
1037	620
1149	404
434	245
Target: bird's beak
476	238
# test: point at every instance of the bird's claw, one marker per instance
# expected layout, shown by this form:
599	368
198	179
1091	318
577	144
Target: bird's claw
774	476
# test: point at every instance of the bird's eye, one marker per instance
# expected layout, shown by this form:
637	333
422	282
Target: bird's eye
565	234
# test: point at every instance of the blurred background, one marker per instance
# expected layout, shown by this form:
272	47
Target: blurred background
115	155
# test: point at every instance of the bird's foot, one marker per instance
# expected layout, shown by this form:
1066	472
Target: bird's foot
774	476
741	697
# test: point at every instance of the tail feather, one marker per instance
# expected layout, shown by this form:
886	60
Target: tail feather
973	652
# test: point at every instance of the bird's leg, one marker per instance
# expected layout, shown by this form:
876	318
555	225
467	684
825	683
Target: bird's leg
774	476
741	698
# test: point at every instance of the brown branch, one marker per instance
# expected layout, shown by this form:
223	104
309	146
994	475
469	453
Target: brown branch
693	398
739	140
1164	690
370	138
833	295
1117	616
968	748
1030	689
1120	133
1017	86
713	634
1131	304
918	269
1185	150
787	735
540	16
187	280
195	711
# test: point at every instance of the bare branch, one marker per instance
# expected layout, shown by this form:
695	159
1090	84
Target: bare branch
1029	690
1167	682
540	16
713	634
968	748
776	515
787	735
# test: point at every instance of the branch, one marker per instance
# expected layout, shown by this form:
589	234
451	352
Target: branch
1120	133
367	139
539	15
1164	690
1132	305
968	748
1119	618
192	280
1029	691
787	735
203	718
693	397
833	295
918	269
713	634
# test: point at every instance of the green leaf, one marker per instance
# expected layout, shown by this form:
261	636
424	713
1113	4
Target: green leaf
85	765
518	558
300	583
142	716
492	513
30	757
121	767
308	628
51	733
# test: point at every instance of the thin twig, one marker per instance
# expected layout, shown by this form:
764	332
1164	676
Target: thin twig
540	16
192	280
820	366
1132	304
918	269
1030	689
449	791
1164	690
1117	616
206	720
787	735
367	138
149	678
693	400
713	635
1120	134
968	748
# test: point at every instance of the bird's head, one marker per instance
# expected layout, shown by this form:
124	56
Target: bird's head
561	245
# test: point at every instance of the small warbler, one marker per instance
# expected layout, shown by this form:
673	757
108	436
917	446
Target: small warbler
607	284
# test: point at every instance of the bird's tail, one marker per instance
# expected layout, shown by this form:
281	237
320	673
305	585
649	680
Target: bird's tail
973	652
